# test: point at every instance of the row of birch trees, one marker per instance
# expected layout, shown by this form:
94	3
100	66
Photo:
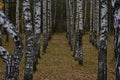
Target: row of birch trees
102	14
35	17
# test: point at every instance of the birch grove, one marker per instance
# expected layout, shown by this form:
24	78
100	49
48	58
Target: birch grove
95	21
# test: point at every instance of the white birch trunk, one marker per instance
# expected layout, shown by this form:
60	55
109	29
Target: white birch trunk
17	15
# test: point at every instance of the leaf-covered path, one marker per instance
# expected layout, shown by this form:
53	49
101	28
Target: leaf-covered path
58	64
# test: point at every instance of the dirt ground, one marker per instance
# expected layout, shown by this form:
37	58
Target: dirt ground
58	64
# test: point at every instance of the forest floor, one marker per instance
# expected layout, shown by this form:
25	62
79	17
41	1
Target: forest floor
58	64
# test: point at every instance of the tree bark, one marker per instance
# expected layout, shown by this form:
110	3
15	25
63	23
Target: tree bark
102	53
12	60
7	14
45	34
79	28
17	15
37	30
91	19
28	74
116	6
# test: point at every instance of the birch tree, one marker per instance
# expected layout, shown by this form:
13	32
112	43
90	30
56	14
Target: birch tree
45	35
67	15
97	22
17	14
71	25
102	53
116	6
91	19
6	2
51	31
85	15
1	27
75	53
37	29
54	2
70	21
94	25
28	74
49	19
79	27
12	61
0	36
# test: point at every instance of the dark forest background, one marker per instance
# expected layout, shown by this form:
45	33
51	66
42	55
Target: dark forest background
59	12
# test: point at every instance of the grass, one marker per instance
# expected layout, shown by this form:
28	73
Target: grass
58	63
